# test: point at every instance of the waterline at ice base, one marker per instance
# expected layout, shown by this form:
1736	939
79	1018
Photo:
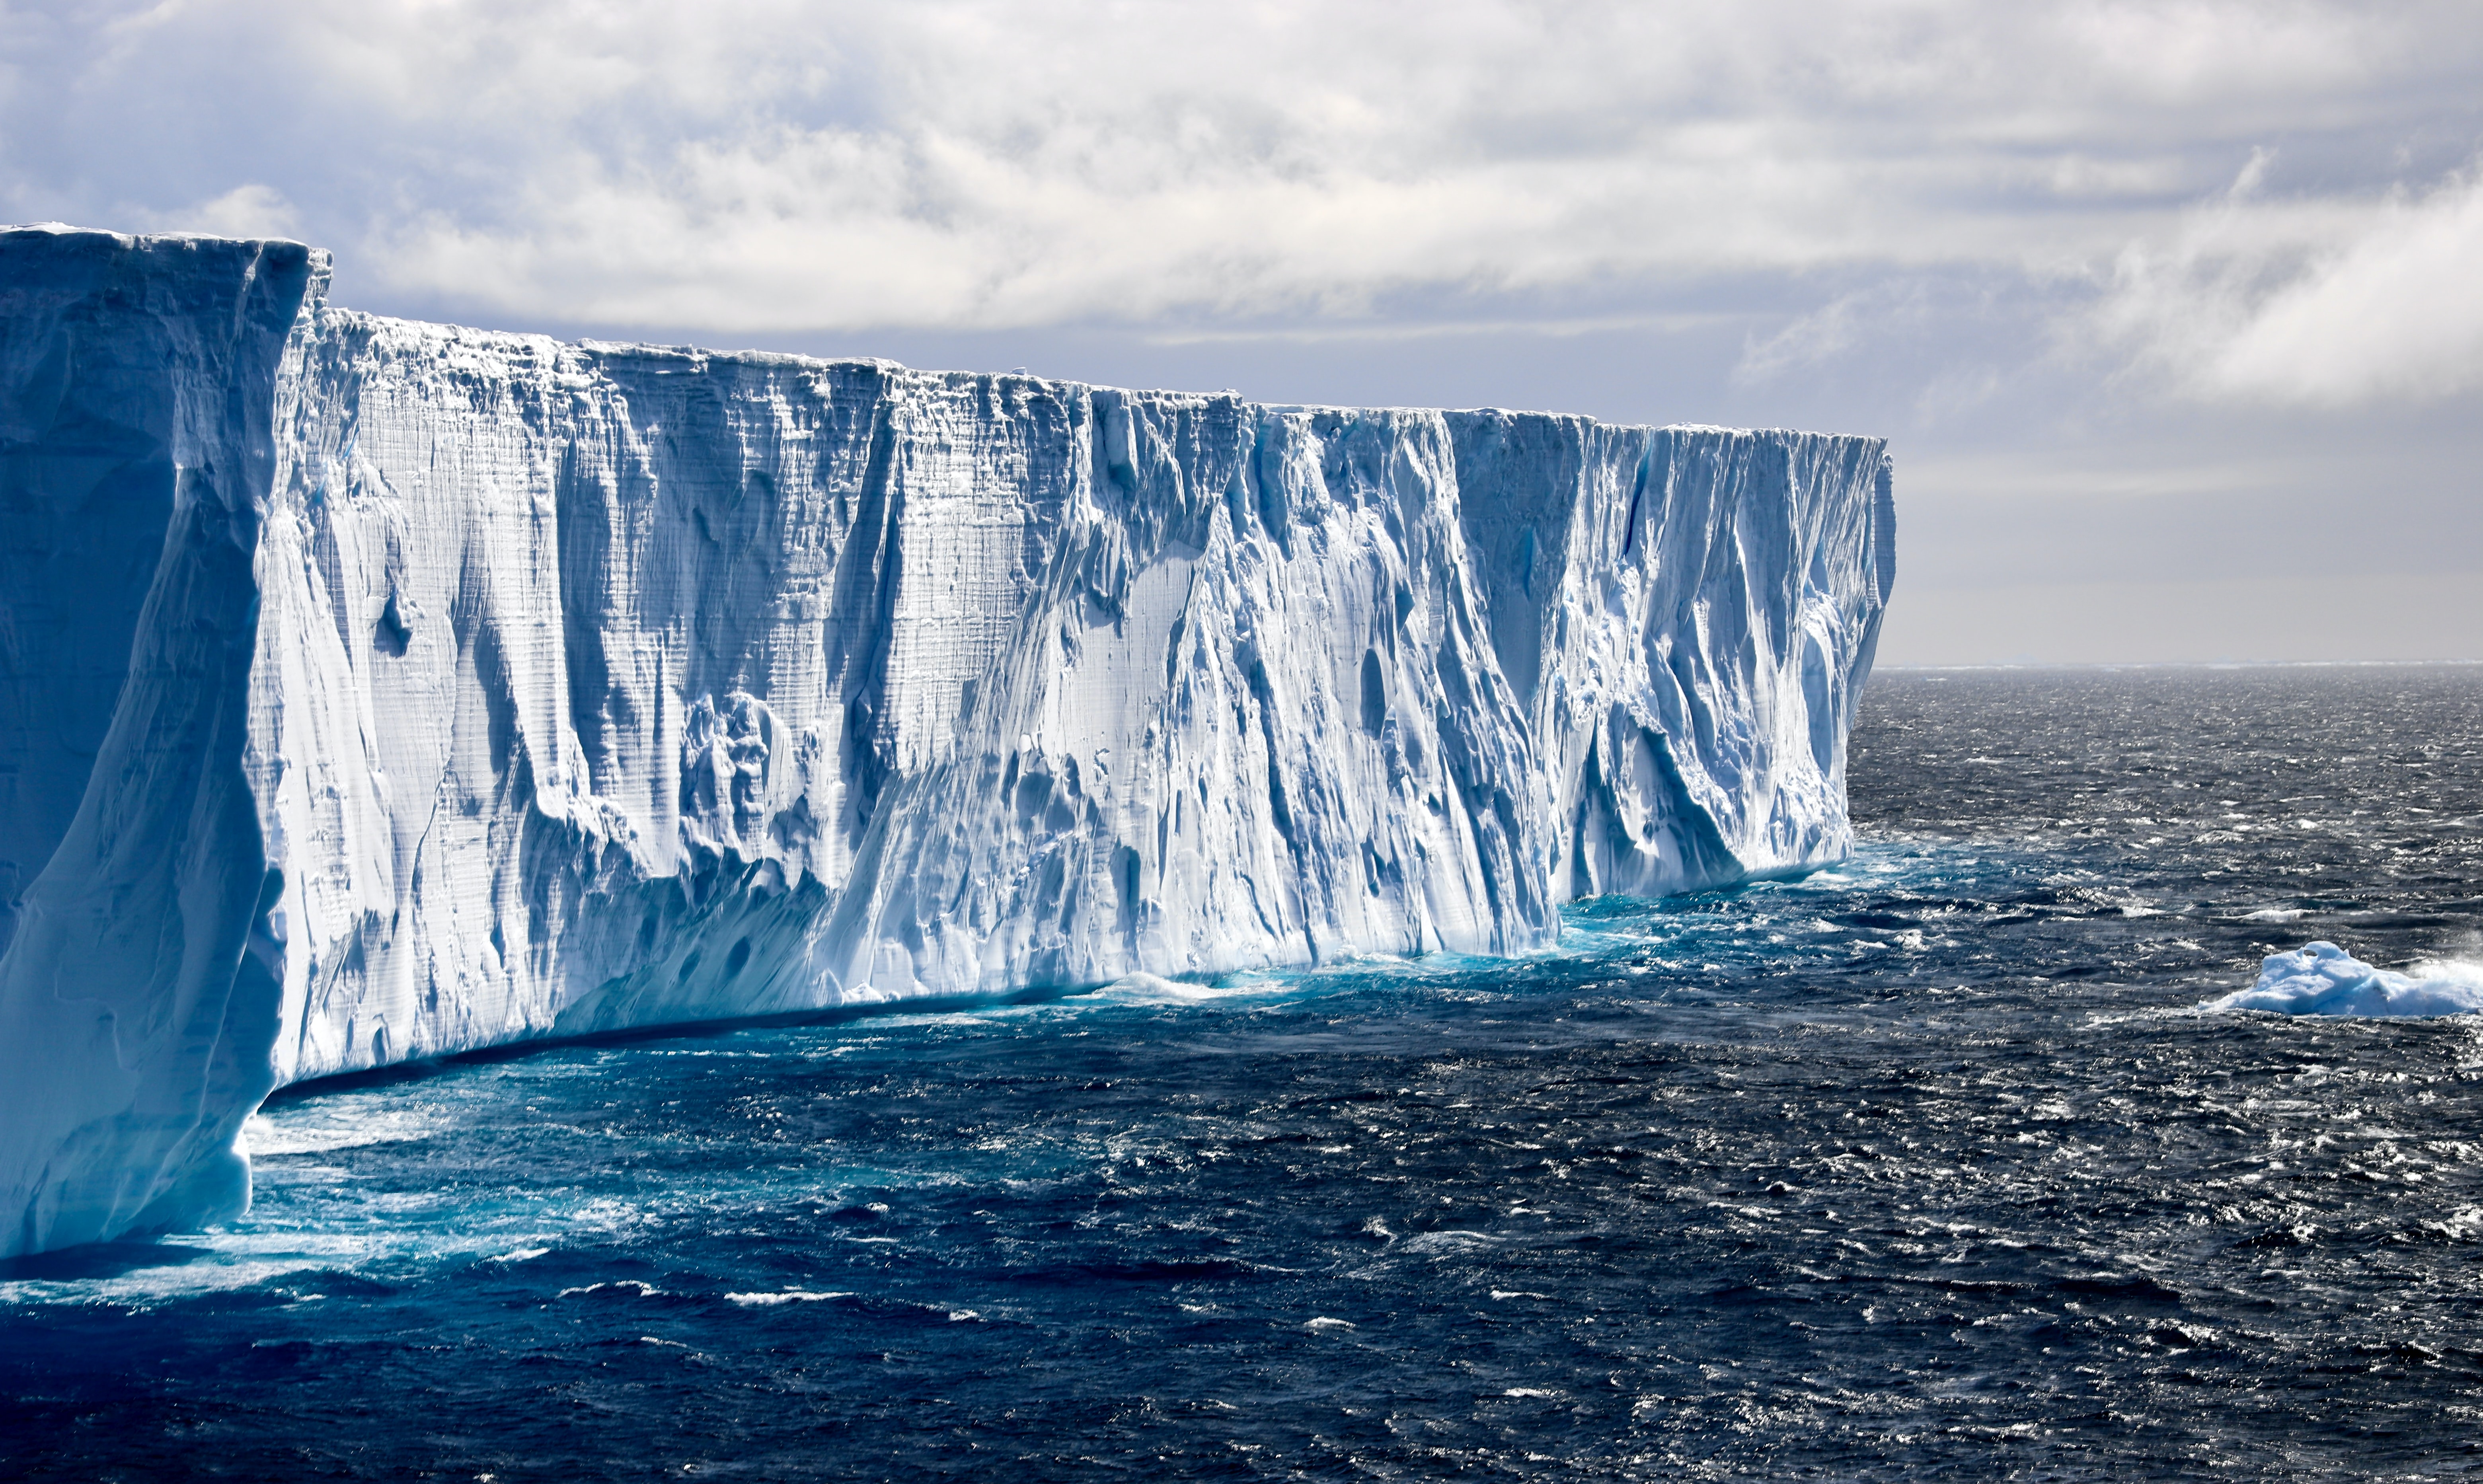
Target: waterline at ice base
379	690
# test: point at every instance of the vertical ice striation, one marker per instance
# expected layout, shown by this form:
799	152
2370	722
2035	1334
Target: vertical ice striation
379	690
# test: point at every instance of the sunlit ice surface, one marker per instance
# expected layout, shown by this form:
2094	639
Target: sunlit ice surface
1947	1159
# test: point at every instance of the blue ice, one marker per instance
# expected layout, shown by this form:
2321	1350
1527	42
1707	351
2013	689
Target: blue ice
2321	978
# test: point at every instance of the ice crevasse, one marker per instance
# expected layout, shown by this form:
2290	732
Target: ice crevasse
374	690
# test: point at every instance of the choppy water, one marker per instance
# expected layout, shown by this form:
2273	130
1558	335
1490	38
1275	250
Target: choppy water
1924	1167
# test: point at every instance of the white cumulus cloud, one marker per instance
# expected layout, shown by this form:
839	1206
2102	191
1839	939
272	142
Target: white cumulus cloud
251	210
2324	302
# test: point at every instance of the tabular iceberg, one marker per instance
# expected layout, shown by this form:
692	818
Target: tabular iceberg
377	689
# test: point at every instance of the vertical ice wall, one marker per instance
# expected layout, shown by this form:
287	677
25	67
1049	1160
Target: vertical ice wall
569	687
138	982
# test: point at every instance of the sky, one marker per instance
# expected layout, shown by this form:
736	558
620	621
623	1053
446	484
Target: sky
2172	313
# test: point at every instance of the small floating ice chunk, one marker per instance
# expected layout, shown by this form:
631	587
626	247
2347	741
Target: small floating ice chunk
2323	979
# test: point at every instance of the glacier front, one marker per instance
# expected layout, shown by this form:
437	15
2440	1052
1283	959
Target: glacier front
378	690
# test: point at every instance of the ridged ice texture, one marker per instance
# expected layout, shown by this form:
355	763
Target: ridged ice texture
592	686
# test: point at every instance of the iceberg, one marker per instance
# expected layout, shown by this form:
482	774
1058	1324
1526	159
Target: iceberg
2323	979
379	690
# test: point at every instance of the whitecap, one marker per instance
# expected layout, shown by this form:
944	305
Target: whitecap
1323	1323
1452	1241
788	1296
2321	978
639	1290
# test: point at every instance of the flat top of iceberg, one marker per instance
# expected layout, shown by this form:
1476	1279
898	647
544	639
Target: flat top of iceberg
2321	978
594	346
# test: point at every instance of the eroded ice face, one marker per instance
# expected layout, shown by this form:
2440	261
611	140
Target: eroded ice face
493	688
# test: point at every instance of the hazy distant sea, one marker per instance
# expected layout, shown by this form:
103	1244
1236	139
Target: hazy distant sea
1924	1167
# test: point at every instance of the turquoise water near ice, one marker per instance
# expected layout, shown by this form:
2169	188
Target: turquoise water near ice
1929	1165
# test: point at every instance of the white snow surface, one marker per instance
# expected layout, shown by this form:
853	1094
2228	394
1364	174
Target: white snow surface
381	690
2323	979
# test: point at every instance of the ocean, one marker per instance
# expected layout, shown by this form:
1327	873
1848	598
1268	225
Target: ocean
1929	1165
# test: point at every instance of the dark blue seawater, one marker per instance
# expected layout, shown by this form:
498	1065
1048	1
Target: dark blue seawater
1924	1167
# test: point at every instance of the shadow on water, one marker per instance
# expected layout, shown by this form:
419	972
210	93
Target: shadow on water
720	1028
96	1261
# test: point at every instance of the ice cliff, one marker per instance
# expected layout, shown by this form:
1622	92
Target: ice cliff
373	690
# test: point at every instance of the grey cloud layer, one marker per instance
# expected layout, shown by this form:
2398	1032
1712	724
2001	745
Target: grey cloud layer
758	166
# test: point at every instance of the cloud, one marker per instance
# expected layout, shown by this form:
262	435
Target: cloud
2311	303
1809	339
251	210
1894	307
761	165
